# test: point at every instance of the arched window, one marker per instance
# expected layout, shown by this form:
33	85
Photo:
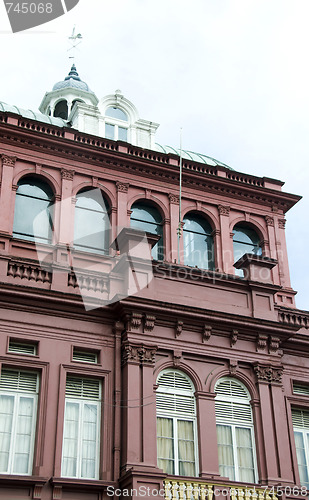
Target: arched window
245	240
198	242
235	431
61	110
33	216
300	419
176	424
91	228
148	219
114	129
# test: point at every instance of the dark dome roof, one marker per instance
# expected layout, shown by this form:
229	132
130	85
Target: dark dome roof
72	80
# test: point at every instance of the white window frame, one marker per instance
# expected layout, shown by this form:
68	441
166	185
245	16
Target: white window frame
17	395
223	421
82	402
305	435
168	414
116	124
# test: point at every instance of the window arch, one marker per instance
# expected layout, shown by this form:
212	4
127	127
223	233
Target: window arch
198	242
116	125
91	226
61	110
33	215
245	240
235	431
176	424
148	219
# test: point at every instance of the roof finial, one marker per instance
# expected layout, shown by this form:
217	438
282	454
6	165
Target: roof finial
75	40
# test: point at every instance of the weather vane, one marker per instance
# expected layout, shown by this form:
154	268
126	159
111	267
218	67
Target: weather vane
75	39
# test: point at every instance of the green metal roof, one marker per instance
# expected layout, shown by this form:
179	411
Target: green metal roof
32	115
191	155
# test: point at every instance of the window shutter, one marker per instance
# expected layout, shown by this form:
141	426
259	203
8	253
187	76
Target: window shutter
12	380
20	348
83	388
175	395
300	418
232	403
175	380
84	356
301	389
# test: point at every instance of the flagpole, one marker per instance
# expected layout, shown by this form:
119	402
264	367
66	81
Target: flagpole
179	229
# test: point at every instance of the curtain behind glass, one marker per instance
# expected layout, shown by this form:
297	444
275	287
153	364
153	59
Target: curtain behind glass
301	458
6	421
89	441
23	435
225	451
186	448
165	445
70	440
245	455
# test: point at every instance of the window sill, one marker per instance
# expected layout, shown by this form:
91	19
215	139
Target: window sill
22	480
93	484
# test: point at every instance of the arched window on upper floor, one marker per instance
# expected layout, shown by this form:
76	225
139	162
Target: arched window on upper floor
61	110
176	424
91	225
116	124
245	240
235	431
33	215
148	219
198	242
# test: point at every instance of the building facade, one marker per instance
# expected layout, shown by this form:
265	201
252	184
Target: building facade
140	356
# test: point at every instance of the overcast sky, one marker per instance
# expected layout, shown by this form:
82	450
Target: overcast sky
232	73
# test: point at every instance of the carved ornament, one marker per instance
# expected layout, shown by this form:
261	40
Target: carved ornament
269	374
174	199
261	342
207	330
122	187
149	322
234	337
281	223
138	354
274	344
224	210
67	174
269	220
8	161
178	328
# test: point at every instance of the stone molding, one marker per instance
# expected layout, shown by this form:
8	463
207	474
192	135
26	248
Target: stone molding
269	374
174	198
138	354
122	187
224	210
8	161
67	174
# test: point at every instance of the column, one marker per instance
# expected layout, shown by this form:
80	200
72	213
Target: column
207	435
226	240
174	222
66	213
7	201
272	247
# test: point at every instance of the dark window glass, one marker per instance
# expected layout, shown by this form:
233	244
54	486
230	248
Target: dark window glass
148	219
33	216
117	113
245	240
198	242
91	228
61	110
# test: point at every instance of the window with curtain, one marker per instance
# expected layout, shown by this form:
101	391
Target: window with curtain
300	419
117	128
91	225
33	216
18	410
245	240
198	242
148	219
81	434
235	431
176	424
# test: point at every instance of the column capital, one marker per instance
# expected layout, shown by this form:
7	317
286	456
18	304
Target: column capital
8	161
138	354
67	174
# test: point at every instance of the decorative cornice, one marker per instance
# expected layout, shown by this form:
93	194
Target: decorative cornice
269	220
138	354
269	374
176	358
174	198
149	323
261	342
234	337
134	321
274	344
122	187
8	161
281	223
206	334
224	210
67	174
178	328
233	366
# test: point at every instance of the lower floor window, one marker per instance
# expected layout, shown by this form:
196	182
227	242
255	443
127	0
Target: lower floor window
300	420
80	451
18	408
235	452
175	446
